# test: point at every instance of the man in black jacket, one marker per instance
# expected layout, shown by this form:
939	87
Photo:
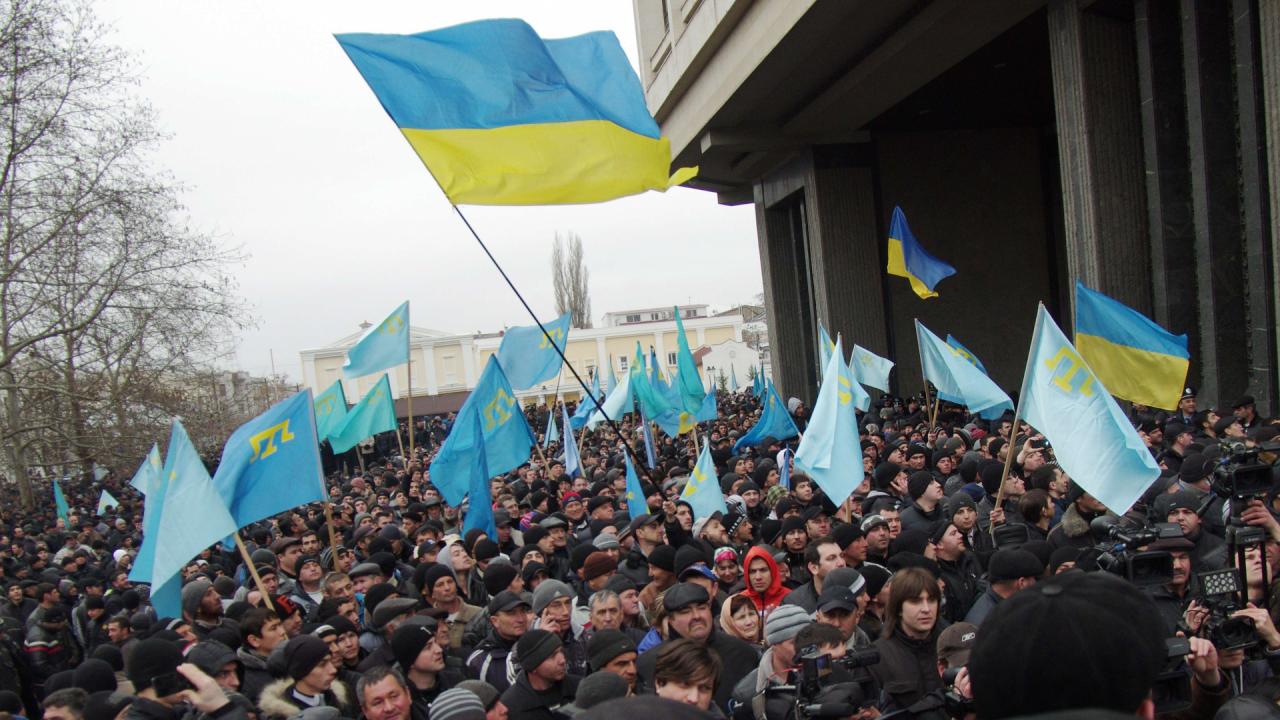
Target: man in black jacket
421	660
509	620
688	609
544	683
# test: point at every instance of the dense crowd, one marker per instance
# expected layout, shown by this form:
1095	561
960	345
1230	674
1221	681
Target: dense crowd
940	588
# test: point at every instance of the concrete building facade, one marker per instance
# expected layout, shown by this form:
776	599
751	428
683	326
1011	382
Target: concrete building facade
1131	144
446	366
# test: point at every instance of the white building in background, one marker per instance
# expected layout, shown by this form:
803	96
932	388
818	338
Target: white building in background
446	366
733	358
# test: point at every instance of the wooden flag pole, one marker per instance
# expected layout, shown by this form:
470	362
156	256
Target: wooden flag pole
360	457
253	571
400	442
333	533
933	416
1008	462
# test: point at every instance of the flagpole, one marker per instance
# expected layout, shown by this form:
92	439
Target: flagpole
400	442
253	571
925	380
333	533
409	371
1017	415
550	340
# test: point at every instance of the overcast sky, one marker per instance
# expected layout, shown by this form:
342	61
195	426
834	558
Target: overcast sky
286	153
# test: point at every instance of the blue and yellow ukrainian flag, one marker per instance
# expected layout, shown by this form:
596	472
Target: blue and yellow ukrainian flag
501	116
907	259
1134	357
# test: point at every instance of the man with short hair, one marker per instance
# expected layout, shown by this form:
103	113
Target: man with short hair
821	557
1173	598
490	661
926	501
260	633
383	694
65	704
960	570
308	591
421	660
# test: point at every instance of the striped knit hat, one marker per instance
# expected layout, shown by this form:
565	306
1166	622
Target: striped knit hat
457	704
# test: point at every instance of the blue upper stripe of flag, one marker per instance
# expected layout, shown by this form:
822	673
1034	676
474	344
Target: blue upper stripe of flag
1101	316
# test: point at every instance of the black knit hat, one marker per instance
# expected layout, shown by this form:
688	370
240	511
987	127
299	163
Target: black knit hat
498	577
918	483
303	653
605	645
151	658
407	642
663	557
1111	666
535	647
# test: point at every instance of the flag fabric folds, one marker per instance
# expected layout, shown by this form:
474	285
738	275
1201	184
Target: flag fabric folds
148	473
733	379
830	452
1133	356
862	400
586	404
618	403
963	352
572	463
650	458
60	502
957	379
272	463
757	384
613	379
501	116
528	357
382	346
1092	439
193	516
653	402
775	422
375	413
687	379
503	436
479	501
702	492
909	260
331	410
870	369
636	503
553	432
106	501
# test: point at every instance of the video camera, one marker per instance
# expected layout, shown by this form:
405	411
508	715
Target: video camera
1117	550
1172	689
1220	593
1240	476
820	693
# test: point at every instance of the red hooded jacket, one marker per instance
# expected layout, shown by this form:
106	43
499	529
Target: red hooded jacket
772	596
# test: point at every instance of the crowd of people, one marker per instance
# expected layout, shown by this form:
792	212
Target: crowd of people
967	576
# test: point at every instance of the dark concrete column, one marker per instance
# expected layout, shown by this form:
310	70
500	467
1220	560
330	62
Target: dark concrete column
1157	25
847	246
1255	205
781	224
1215	199
1100	151
1269	67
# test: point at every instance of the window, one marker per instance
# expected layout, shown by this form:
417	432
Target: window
656	316
622	363
633	318
671	358
449	363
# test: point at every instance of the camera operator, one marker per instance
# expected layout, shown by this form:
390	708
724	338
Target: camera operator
1183	507
780	632
1174	599
1033	657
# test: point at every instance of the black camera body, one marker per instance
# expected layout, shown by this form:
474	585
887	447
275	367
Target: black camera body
1118	554
1220	592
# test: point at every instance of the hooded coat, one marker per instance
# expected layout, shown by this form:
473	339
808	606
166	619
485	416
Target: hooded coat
772	596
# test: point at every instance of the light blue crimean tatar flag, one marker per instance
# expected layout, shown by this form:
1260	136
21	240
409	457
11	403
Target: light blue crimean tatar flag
870	369
60	503
148	473
383	346
272	463
572	463
502	436
479	501
733	379
687	379
618	403
553	432
194	516
775	422
702	492
964	353
586	404
861	400
958	380
830	452
331	410
528	357
375	413
636	503
106	501
1092	440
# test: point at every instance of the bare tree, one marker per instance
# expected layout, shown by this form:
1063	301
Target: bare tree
106	299
570	278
